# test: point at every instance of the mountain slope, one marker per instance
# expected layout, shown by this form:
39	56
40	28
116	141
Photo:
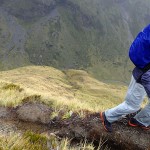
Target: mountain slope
75	89
92	35
63	104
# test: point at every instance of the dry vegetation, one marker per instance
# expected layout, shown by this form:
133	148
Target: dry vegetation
72	88
32	141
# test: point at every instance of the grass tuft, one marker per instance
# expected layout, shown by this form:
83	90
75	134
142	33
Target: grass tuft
32	98
11	86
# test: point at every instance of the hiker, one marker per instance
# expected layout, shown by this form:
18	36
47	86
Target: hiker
139	87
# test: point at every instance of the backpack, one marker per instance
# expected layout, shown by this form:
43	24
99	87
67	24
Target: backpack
139	51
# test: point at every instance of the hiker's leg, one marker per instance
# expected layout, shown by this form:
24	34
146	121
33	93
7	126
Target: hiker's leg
133	100
144	115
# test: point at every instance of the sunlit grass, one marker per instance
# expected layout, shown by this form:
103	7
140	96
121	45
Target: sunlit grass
72	88
21	142
32	141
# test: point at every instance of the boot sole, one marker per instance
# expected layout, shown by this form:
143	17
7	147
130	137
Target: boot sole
134	125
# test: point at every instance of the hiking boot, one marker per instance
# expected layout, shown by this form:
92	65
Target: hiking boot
105	122
134	123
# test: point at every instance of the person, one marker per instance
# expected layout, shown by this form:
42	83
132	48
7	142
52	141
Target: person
139	87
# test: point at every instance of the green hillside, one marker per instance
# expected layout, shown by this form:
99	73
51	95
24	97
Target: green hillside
92	35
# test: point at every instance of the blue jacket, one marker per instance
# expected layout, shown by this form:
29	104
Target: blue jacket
139	51
139	54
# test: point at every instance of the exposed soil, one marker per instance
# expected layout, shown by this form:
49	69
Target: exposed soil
123	137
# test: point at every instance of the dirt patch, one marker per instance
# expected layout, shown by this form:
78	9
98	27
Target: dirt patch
34	112
90	127
8	113
4	112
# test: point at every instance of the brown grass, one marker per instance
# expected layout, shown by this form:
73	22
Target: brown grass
75	89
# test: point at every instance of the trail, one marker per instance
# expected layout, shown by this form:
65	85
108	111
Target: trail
77	128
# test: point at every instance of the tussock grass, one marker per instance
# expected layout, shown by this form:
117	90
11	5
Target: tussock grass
12	86
32	98
32	141
75	89
22	142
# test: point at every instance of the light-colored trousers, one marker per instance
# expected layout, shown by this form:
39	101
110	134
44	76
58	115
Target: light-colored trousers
132	103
